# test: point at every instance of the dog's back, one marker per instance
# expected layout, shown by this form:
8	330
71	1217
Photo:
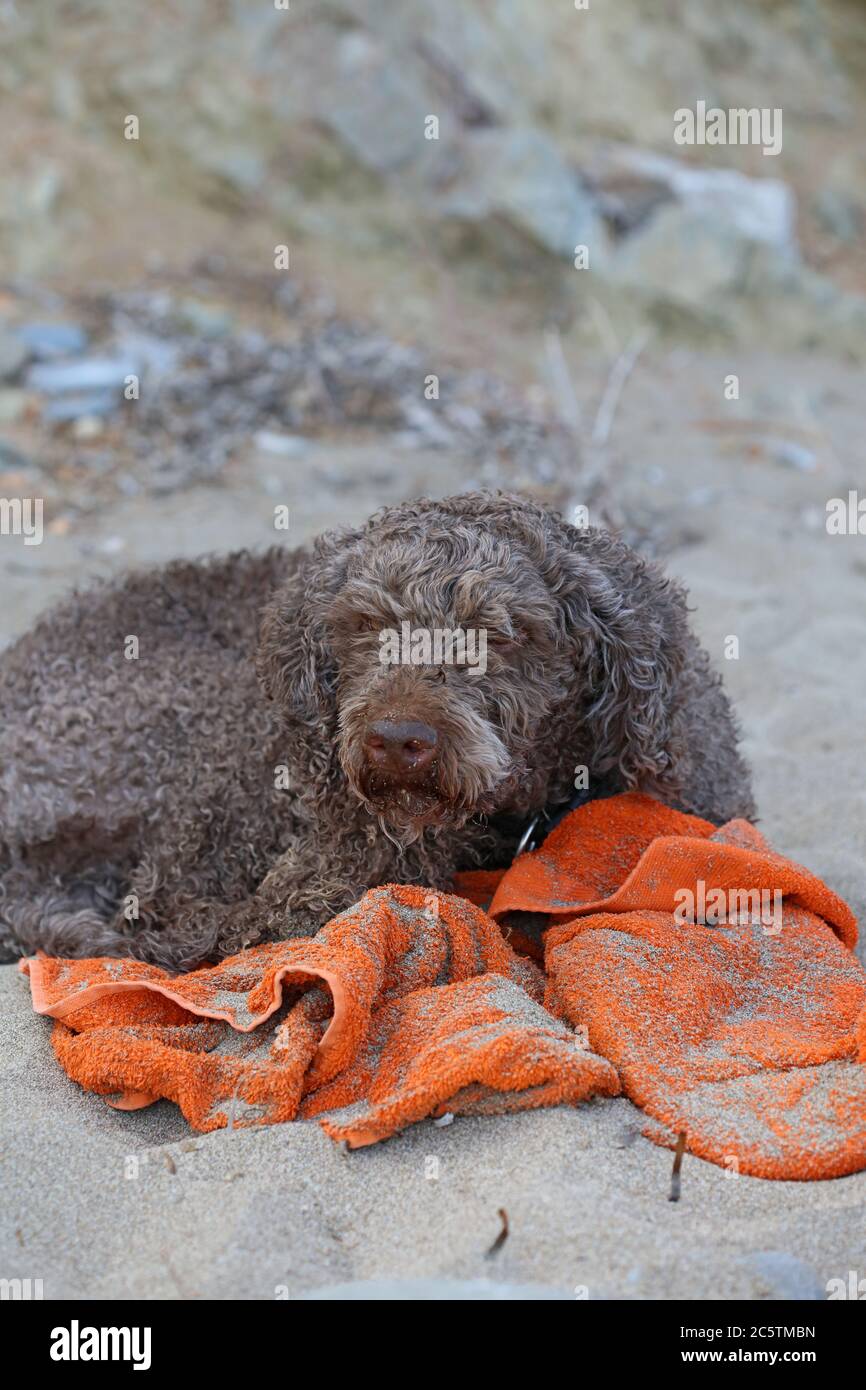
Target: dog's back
126	703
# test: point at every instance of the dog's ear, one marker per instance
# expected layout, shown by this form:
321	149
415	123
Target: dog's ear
295	662
627	624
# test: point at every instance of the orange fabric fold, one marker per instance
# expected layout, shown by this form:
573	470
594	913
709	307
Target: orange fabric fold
745	1030
409	1000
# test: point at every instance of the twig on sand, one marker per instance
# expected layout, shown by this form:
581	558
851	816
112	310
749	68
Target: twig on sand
604	326
678	1163
502	1237
619	375
560	378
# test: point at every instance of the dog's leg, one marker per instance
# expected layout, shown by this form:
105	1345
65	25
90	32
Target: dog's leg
298	896
62	916
181	934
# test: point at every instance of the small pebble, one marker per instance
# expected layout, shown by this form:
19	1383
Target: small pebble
792	455
286	445
88	427
82	374
75	407
112	545
46	341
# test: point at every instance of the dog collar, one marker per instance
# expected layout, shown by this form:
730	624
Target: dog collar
527	840
549	816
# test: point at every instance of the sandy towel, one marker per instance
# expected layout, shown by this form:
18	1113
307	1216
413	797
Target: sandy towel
749	1035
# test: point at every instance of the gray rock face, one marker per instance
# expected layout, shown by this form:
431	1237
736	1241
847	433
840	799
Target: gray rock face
682	258
80	387
312	121
485	67
520	176
759	210
373	106
692	234
718	250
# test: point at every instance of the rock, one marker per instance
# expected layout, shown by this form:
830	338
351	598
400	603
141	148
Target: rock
790	454
87	427
45	341
13	355
375	109
759	210
520	176
680	258
721	248
626	202
283	445
157	357
83	374
487	67
112	545
79	405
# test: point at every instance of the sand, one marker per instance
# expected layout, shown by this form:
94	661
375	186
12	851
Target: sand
102	1204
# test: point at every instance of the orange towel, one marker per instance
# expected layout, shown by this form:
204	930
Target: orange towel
748	1035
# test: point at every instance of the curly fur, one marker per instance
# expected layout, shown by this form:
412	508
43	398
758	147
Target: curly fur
214	792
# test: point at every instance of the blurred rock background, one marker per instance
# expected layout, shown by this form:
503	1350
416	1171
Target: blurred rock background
310	121
307	127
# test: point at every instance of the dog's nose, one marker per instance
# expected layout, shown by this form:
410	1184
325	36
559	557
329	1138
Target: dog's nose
404	748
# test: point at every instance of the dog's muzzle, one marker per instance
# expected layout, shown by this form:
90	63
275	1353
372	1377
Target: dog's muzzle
400	752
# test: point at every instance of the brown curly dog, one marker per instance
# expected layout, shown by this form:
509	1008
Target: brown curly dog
220	752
